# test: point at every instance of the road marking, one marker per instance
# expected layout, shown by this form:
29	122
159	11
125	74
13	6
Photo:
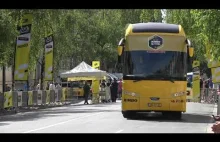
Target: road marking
62	123
119	131
86	122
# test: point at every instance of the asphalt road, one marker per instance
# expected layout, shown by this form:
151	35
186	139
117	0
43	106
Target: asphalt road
105	118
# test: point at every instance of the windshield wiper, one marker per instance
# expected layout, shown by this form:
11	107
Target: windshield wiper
172	80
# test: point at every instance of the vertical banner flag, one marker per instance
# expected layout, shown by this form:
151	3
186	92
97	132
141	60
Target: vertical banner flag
22	51
95	83
215	75
196	80
48	57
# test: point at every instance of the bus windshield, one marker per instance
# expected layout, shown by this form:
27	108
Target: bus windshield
153	66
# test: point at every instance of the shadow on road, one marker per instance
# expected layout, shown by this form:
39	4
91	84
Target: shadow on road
54	112
2	124
186	118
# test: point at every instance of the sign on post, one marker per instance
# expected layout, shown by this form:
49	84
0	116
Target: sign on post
95	84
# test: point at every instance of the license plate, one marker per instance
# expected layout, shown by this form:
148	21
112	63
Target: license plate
154	105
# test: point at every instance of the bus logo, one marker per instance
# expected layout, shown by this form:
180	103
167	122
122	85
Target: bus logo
154	98
155	42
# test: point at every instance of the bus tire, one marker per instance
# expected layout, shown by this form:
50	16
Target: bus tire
166	114
177	115
128	114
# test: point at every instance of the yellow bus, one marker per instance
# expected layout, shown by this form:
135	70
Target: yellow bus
153	58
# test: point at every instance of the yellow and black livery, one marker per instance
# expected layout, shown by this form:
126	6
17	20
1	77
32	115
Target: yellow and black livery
153	58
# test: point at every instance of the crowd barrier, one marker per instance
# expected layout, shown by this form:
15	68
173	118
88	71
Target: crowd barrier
209	96
18	99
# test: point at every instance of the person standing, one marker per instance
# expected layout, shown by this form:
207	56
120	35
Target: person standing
210	83
201	89
86	89
52	86
7	88
114	91
108	91
119	89
206	90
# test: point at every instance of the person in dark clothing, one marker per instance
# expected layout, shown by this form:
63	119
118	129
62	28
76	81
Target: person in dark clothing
7	88
114	91
201	83
86	89
201	89
103	84
206	89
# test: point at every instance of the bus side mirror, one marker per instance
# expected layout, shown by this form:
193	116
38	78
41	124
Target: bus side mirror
120	48
191	51
190	48
121	45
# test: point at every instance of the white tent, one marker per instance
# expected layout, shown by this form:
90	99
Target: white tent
83	70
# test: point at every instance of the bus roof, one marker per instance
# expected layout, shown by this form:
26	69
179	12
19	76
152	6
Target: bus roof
153	27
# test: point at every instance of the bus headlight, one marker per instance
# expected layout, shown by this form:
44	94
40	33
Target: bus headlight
179	94
133	94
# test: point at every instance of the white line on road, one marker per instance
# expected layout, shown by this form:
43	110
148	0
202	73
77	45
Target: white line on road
61	123
119	131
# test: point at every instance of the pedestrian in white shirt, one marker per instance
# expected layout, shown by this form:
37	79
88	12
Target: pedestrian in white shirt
52	86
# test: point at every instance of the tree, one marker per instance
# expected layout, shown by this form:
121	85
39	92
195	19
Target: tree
79	34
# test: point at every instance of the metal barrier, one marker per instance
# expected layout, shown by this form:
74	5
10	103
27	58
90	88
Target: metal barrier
24	99
19	99
59	95
44	97
52	96
95	98
47	96
69	95
39	97
64	94
30	98
15	99
209	96
35	98
8	103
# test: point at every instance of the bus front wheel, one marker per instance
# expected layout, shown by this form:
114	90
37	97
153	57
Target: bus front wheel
177	115
128	114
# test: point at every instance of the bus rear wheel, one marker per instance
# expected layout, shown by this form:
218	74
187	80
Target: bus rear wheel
128	114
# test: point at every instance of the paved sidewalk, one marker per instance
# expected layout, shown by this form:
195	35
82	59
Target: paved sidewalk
209	129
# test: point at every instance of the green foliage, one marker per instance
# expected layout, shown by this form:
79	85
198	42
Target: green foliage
202	28
81	34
